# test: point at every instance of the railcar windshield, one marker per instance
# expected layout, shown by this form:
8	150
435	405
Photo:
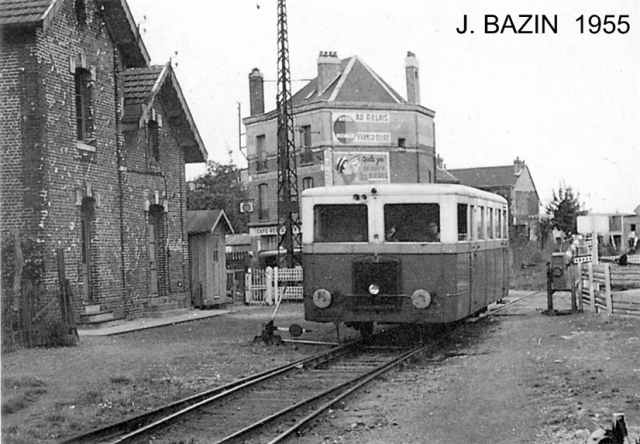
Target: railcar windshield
340	223
412	222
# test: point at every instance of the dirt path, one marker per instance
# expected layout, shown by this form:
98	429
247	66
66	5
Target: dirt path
520	377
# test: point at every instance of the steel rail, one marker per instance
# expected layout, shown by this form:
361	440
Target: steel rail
147	419
359	381
364	379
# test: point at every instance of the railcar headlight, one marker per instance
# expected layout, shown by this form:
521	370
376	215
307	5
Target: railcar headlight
421	299
321	298
374	289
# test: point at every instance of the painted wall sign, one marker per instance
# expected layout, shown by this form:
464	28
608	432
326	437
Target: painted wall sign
367	128
360	167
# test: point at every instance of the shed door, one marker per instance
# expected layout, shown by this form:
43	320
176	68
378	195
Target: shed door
217	280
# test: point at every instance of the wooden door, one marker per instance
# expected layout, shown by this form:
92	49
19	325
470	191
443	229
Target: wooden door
153	259
86	217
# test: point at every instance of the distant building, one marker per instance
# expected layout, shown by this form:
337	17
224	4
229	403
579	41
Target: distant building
619	231
514	183
94	147
350	126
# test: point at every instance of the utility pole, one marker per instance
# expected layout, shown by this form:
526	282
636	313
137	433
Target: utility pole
289	235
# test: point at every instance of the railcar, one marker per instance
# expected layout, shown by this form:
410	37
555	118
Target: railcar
402	253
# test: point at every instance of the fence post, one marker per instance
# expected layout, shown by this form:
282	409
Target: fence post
607	287
580	287
592	296
17	275
247	285
268	279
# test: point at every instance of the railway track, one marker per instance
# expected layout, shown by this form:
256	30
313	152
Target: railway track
263	408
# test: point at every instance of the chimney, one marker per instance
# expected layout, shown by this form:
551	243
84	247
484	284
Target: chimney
518	166
256	92
439	162
413	81
328	69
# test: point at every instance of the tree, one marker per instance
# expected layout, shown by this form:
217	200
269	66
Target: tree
565	209
220	189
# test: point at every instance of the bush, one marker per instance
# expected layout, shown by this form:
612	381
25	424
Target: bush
56	334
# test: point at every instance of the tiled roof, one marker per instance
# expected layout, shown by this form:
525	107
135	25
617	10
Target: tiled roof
487	177
444	176
204	221
356	83
25	12
141	88
238	239
139	82
116	13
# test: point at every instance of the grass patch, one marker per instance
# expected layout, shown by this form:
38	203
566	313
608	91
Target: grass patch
23	392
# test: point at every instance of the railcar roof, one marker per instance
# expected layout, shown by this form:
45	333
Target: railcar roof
387	189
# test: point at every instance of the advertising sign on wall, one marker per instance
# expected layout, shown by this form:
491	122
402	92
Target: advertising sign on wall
360	167
365	128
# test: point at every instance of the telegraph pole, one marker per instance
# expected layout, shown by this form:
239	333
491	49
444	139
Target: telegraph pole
289	235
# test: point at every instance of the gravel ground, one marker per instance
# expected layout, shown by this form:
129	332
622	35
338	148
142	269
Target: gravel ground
515	377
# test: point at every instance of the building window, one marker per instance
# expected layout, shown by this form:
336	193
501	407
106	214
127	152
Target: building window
261	153
306	154
402	143
84	106
263	210
153	140
307	182
81	13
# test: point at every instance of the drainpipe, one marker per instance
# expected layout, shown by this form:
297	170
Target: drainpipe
120	167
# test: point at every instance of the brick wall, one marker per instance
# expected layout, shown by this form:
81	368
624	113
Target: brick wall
45	176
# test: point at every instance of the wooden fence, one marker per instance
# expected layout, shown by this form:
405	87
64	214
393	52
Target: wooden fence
32	317
610	288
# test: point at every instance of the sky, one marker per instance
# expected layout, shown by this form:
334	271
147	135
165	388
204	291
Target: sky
567	103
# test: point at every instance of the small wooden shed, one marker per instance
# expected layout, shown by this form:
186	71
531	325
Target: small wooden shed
207	230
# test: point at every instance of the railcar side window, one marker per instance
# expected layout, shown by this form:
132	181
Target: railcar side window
340	223
481	222
412	222
463	231
505	222
490	223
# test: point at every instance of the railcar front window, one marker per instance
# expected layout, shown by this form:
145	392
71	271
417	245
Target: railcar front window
340	223
412	222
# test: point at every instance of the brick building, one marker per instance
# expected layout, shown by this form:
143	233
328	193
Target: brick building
350	126
514	183
94	146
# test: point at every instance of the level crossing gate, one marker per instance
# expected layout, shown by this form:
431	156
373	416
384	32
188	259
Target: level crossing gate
262	286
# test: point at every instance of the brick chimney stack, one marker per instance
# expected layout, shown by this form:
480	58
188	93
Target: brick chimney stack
413	80
328	69
518	166
256	92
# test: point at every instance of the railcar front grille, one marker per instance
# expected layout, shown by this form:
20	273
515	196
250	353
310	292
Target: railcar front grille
373	304
384	272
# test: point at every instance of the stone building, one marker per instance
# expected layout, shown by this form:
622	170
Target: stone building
94	146
350	126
